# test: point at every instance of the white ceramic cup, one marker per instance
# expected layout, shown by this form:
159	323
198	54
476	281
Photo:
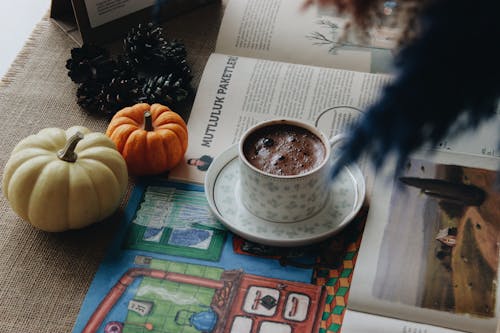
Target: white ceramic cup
289	198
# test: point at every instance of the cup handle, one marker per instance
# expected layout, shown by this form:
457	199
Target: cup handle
335	140
334	158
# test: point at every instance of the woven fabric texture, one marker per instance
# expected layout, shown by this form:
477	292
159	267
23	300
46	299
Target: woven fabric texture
44	277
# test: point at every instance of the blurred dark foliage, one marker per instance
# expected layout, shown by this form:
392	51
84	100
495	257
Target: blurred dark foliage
447	80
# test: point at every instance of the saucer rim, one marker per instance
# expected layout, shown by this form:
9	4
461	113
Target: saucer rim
229	155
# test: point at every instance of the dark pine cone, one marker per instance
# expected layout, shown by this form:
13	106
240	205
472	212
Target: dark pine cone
88	96
107	99
168	90
119	93
148	49
142	44
173	60
125	68
152	70
90	62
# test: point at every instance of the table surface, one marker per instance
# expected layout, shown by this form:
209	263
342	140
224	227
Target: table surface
45	276
17	20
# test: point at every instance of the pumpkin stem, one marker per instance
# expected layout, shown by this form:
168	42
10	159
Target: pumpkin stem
68	152
148	121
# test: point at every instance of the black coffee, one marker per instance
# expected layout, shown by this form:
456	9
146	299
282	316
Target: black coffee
284	150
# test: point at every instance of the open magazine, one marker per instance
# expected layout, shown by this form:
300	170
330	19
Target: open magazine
285	74
273	60
174	268
430	247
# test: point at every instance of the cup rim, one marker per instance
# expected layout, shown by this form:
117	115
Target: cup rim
290	121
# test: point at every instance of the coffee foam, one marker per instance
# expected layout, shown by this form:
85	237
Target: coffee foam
284	150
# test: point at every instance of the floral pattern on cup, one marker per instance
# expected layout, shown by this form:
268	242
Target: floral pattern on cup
299	201
288	198
343	199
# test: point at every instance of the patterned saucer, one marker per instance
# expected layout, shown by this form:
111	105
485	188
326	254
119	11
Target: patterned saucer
222	190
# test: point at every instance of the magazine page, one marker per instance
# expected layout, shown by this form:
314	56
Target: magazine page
480	141
173	268
359	322
237	92
281	30
430	247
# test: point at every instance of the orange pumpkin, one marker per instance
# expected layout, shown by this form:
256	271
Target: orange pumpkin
151	138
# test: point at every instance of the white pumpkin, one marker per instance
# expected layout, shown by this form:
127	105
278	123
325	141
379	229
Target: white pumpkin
59	180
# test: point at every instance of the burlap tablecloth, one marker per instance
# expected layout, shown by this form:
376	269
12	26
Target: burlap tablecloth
44	277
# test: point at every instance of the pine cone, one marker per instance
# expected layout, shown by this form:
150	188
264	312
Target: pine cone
171	58
125	68
172	52
147	48
174	61
118	94
108	85
90	62
142	44
107	99
168	89
88	96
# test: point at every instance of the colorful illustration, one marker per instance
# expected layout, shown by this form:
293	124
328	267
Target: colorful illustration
178	297
337	283
161	277
450	260
178	222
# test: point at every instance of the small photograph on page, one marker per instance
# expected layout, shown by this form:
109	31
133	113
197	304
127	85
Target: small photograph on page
440	246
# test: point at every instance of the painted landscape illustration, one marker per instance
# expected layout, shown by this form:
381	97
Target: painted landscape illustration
440	246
